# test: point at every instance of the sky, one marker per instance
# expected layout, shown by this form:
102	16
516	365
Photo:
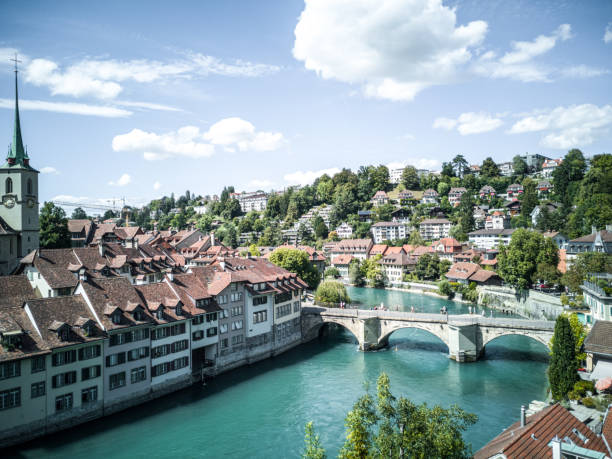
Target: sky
137	100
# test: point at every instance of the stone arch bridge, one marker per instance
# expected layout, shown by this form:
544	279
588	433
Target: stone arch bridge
465	335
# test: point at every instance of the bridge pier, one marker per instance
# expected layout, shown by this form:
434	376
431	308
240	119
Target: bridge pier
464	343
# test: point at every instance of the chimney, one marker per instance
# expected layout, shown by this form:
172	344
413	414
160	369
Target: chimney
593	229
212	238
170	276
609	228
101	248
555	444
523	417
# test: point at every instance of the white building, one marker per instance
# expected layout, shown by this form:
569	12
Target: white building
395	175
506	169
388	231
257	201
344	231
490	238
434	228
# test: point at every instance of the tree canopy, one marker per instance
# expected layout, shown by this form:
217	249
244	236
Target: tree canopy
53	227
562	372
296	261
330	292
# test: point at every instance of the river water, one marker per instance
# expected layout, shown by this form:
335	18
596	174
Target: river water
259	411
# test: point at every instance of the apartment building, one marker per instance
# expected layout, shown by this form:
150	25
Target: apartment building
395	175
454	195
434	228
388	231
344	231
257	200
490	238
395	265
358	248
506	169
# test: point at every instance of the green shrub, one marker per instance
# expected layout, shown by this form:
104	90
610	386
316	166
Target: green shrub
332	271
582	387
331	292
573	395
588	402
445	288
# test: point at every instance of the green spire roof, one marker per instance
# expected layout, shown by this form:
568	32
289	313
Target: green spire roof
17	156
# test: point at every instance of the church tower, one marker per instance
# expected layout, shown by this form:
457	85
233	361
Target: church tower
19	191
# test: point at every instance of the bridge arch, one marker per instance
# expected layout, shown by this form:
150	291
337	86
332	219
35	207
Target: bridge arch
440	331
542	338
350	324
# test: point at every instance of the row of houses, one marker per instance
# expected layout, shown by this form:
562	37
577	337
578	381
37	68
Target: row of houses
109	344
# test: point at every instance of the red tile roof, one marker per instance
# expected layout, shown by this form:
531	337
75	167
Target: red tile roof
540	428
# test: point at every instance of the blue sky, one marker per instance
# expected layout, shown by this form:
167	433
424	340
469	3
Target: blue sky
141	99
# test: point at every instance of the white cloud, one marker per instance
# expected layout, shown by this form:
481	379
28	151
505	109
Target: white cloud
583	71
608	33
518	64
103	79
124	180
307	177
236	132
419	163
567	127
212	65
469	123
49	170
230	133
392	48
147	105
156	186
67	107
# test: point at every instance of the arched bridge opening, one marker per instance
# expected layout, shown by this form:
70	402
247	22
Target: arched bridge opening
514	345
430	330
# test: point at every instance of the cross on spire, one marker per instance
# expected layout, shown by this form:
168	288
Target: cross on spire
16	61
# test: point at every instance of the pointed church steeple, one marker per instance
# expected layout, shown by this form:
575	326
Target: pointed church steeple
17	155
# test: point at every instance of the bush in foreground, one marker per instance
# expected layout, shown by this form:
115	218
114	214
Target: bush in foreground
331	292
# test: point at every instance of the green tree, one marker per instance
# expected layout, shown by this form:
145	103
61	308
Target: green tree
320	229
584	263
489	169
390	427
415	239
447	169
372	271
331	292
78	214
444	288
356	276
520	166
254	251
410	178
562	372
380	178
296	261
312	444
580	332
384	212
519	261
332	272
570	171
53	227
428	267
460	165
529	198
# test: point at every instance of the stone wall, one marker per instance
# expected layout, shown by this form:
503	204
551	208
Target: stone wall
526	303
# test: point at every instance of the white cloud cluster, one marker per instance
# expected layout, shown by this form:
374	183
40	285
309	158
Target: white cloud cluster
392	48
608	34
49	170
231	134
67	107
124	180
419	163
518	64
307	177
261	183
469	123
102	78
156	186
567	127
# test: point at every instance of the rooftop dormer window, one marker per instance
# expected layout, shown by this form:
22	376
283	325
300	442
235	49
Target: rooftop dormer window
138	315
64	334
179	310
116	318
160	314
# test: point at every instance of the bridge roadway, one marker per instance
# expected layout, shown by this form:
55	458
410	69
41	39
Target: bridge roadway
465	335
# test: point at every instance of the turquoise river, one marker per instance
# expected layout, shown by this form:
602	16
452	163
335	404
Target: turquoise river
259	411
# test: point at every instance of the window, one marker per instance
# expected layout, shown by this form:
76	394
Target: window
90	352
137	354
38	389
117	380
64	379
224	314
238	339
115	359
179	346
211	317
282	297
63	402
138	374
211	332
236	296
261	316
197	335
296	306
223	328
89	395
197	320
237	325
224	343
63	358
283	311
10	398
258	300
9	186
160	351
29	187
222	299
237	311
180	363
10	369
90	372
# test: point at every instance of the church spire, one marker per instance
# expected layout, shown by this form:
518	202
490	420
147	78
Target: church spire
17	154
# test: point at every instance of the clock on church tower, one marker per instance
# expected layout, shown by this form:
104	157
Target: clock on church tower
19	227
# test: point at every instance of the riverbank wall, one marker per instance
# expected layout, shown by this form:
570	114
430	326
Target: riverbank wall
526	303
251	354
